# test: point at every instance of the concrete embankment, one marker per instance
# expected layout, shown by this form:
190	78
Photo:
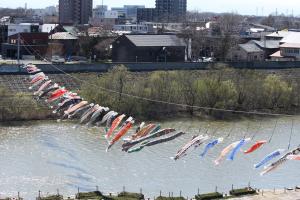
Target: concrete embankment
143	67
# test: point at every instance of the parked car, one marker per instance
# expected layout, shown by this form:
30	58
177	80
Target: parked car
208	59
58	60
77	59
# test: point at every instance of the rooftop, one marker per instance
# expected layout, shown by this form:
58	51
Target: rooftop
250	47
268	44
290	45
292	37
156	40
279	34
63	36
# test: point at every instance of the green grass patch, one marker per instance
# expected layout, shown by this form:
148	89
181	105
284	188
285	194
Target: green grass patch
208	196
90	195
52	197
242	192
129	195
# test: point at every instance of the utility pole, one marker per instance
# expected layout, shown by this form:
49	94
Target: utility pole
18	48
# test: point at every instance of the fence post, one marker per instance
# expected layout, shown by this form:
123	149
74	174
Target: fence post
57	192
18	195
160	193
123	188
198	191
97	188
216	189
180	193
141	191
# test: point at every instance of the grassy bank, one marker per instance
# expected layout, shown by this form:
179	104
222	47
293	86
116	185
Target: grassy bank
221	88
20	106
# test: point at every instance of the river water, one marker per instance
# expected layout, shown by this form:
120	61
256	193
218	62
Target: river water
47	156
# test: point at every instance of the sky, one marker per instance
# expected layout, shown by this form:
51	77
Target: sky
251	7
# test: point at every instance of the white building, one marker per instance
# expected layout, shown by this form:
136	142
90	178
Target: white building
23	28
289	46
111	14
131	28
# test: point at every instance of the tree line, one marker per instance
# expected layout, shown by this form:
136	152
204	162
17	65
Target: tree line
221	88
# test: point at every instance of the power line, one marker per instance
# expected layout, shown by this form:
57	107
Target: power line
166	102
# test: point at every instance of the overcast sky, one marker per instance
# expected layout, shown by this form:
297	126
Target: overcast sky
241	6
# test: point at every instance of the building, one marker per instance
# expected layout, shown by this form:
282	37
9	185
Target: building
63	44
3	34
145	14
23	28
131	28
149	48
75	11
167	11
105	19
288	52
268	46
131	11
99	11
246	52
289	46
171	10
121	11
50	19
31	44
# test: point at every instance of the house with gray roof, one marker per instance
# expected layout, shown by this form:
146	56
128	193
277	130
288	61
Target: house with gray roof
246	52
149	48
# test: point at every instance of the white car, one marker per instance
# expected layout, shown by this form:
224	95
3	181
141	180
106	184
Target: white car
58	60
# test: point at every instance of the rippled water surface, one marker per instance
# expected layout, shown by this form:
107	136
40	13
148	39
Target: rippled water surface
48	155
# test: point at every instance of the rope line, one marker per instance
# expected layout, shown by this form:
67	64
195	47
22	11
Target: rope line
166	102
290	139
271	137
230	131
259	127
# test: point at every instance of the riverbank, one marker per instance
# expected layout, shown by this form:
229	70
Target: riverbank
163	94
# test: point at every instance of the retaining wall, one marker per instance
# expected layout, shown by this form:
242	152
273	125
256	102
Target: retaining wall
104	67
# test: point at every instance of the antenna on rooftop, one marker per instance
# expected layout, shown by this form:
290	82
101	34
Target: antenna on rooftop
25	8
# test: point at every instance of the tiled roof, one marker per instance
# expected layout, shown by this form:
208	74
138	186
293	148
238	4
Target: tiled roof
250	47
156	40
